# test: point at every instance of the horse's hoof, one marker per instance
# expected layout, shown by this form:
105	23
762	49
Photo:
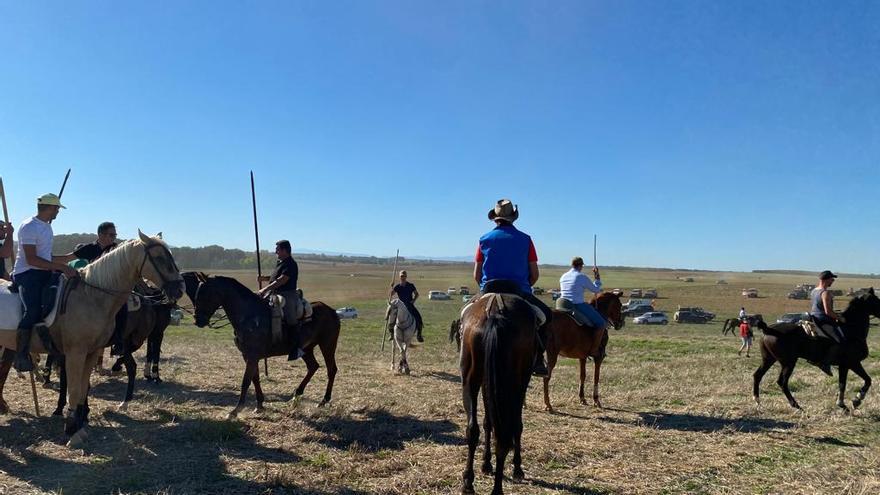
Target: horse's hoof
47	385
856	403
4	409
122	406
549	409
597	404
77	440
467	490
584	402
486	468
324	403
58	412
518	475
258	411
757	399
294	402
232	415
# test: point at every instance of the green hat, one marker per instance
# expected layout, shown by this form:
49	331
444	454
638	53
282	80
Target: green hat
50	199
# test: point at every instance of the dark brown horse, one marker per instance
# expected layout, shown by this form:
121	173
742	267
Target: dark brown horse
566	338
497	353
251	319
787	342
732	324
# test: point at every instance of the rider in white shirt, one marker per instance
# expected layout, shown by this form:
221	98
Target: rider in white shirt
572	285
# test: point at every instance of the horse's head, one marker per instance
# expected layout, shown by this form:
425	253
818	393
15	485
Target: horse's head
159	267
871	302
608	305
206	299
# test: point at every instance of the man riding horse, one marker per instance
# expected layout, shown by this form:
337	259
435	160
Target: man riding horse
823	314
572	285
33	268
283	283
407	294
505	253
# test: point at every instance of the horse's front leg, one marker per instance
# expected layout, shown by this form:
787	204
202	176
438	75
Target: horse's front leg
62	389
311	367
597	365
74	364
258	390
250	368
859	370
130	372
5	364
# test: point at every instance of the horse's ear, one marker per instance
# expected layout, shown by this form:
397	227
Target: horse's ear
871	291
143	237
159	235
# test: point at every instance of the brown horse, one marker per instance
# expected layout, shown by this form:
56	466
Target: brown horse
251	319
568	339
497	353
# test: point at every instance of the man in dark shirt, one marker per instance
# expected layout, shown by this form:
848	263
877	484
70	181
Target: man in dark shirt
6	231
407	293
283	282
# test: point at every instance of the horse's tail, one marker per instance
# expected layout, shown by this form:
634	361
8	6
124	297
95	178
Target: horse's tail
501	394
768	330
454	328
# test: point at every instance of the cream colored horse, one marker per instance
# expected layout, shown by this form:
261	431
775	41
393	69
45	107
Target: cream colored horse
85	326
403	330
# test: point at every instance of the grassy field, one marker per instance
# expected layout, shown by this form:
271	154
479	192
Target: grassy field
678	414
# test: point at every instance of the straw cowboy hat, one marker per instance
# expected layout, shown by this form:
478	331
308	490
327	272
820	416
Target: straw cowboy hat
504	210
50	199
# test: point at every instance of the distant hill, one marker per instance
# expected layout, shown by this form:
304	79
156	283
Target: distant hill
814	274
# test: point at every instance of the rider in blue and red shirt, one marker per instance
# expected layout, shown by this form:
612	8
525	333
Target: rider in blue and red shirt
505	253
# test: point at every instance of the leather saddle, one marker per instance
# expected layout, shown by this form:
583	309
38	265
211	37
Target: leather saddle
821	331
283	314
566	306
495	289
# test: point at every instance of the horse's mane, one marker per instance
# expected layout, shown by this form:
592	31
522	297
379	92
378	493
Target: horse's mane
235	285
106	270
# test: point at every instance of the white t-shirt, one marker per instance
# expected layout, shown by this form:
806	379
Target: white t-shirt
33	232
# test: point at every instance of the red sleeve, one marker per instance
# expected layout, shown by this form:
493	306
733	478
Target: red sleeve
479	256
533	255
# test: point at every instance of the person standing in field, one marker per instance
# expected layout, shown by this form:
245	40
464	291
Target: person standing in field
572	285
505	253
745	332
6	231
407	294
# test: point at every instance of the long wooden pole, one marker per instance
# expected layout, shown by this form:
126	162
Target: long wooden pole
393	273
6	219
259	265
594	252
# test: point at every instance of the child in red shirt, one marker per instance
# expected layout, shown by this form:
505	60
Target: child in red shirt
746	334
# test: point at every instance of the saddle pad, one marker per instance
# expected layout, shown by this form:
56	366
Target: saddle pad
134	303
538	313
820	331
11	307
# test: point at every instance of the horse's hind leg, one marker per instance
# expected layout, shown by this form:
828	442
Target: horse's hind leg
784	377
859	370
62	389
130	371
258	390
311	367
597	365
768	361
551	364
470	389
486	467
329	353
5	363
74	363
518	474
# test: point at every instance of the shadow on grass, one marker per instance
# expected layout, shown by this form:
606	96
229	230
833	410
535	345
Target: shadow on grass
179	455
442	375
837	442
378	429
701	424
566	488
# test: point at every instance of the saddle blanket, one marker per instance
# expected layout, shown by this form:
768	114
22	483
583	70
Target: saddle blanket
11	307
821	332
538	313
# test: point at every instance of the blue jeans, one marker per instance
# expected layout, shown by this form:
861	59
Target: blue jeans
590	313
30	288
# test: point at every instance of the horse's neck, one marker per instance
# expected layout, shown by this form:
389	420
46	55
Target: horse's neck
403	315
237	307
857	323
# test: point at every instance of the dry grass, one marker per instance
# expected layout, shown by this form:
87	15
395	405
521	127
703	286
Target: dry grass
678	419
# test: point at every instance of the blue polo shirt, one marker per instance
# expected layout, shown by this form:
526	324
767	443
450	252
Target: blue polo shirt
506	253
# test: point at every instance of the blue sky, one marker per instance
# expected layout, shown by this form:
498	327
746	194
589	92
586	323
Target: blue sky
721	135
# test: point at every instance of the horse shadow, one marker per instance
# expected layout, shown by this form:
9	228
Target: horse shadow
566	488
379	429
701	424
127	455
444	376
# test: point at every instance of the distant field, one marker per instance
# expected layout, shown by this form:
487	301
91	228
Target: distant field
679	417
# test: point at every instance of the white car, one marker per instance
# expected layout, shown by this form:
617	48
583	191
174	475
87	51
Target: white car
438	295
347	312
652	317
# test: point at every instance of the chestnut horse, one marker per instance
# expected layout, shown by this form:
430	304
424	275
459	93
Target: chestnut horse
251	320
497	353
568	339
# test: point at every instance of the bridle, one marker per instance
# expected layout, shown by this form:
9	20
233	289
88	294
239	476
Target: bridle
147	256
213	324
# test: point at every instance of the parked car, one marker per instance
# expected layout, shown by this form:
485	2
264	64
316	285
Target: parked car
652	317
750	293
176	316
617	292
638	310
537	291
467	297
464	290
650	294
798	294
792	317
438	295
451	291
721	281
698	310
683	316
347	312
635	293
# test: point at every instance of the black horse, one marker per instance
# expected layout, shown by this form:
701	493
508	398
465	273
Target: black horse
148	325
251	319
732	324
787	342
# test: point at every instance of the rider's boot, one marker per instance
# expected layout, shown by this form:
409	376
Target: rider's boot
22	354
539	368
296	351
419	333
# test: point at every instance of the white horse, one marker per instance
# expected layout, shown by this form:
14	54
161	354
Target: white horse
403	330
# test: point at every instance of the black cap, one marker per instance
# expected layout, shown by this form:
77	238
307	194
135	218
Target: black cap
826	275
